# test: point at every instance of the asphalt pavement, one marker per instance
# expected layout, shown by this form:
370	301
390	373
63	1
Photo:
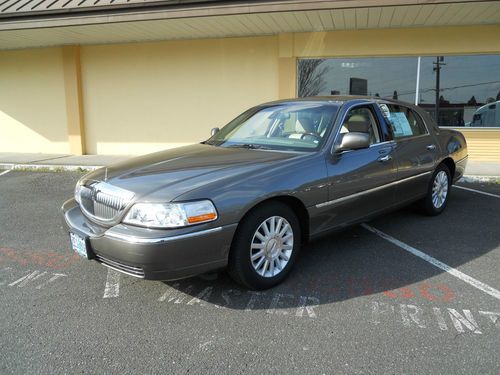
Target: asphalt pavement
404	294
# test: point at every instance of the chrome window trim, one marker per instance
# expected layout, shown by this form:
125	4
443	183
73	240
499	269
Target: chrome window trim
355	195
111	233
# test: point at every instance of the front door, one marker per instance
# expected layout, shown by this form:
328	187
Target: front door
361	181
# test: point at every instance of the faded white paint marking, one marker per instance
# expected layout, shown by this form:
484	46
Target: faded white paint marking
253	298
5	172
112	288
380	308
494	317
412	313
226	297
204	295
23	281
54	277
423	317
440	319
275	303
308	307
468	321
452	271
477	191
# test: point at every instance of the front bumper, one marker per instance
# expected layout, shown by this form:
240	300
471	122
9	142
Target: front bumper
152	253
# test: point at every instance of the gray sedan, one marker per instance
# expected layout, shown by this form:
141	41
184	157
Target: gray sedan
249	197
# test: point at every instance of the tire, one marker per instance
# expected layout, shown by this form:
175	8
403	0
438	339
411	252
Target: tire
278	250
438	192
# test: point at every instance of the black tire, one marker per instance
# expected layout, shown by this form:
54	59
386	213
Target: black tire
240	266
427	205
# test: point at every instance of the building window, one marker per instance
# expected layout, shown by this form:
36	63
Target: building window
455	90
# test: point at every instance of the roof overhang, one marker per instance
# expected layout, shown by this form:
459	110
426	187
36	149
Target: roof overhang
149	20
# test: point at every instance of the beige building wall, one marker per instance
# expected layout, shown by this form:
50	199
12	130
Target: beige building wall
32	101
145	97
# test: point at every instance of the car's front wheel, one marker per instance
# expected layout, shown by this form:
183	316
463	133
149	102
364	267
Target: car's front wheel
265	246
438	191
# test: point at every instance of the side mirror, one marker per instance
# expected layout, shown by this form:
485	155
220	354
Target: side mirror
214	131
353	141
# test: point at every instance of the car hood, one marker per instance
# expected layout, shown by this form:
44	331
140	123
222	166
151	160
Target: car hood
164	175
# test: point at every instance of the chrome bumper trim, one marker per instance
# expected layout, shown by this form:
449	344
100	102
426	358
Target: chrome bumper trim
119	269
139	240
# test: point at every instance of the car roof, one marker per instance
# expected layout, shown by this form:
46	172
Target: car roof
338	99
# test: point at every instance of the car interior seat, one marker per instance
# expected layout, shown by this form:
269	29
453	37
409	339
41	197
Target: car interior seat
361	124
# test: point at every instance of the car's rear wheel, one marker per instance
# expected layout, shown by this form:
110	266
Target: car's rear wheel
438	191
265	246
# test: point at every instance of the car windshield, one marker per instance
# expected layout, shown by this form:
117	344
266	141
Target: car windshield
289	126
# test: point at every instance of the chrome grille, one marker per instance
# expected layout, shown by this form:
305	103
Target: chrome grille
103	201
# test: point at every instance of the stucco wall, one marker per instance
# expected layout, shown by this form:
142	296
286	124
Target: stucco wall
145	97
32	101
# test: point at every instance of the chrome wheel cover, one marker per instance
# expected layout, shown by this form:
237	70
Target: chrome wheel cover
440	189
271	246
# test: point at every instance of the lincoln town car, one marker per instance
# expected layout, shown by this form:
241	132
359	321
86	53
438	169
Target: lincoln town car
249	197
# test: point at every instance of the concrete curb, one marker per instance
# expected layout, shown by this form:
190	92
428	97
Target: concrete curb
90	168
484	179
49	167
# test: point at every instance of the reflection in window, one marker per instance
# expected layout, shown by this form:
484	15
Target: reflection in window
454	90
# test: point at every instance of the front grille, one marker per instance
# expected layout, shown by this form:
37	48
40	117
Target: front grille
129	270
103	201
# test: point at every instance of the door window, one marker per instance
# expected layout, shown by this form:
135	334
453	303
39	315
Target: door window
361	120
403	121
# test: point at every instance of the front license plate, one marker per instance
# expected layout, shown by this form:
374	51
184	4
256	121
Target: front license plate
79	245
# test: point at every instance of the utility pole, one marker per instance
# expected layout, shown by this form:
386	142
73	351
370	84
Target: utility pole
437	68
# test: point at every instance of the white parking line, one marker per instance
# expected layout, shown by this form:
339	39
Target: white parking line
112	288
5	172
452	271
477	191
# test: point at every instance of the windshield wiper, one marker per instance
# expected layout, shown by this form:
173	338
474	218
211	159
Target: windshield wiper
250	146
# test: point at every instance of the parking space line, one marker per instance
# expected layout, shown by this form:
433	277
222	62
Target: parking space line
452	271
112	288
477	191
5	172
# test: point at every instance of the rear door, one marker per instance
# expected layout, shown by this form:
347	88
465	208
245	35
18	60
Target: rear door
416	150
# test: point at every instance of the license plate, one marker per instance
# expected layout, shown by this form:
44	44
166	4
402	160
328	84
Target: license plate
79	245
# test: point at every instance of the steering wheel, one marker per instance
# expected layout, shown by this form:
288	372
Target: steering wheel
315	135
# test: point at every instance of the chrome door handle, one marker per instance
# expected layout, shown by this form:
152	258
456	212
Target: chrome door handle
431	147
385	158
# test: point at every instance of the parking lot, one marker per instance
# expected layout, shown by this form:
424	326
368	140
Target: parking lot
402	294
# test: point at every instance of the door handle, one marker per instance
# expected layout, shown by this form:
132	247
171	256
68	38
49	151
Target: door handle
385	158
431	147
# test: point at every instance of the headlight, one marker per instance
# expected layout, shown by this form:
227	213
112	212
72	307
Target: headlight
171	215
78	189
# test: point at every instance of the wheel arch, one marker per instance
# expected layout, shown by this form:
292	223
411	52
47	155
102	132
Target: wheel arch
295	204
448	161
